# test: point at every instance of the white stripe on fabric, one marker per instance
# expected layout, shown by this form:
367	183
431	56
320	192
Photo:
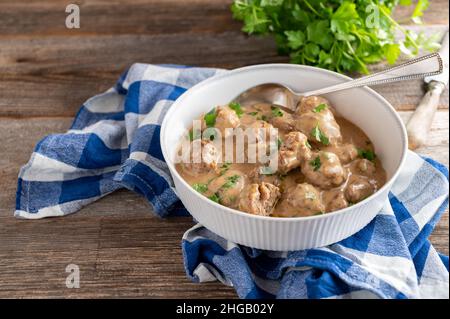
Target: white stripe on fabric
44	169
205	271
161	74
44	212
399	272
109	102
434	282
387	210
414	163
156	115
428	211
155	164
109	131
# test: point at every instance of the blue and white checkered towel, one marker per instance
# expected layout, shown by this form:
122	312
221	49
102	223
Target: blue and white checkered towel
114	143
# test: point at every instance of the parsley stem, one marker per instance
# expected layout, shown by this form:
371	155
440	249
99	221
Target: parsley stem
402	29
312	8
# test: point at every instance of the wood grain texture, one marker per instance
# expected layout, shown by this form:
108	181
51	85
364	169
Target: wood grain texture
48	71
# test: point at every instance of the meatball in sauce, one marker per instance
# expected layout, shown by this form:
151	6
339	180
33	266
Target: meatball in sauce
324	162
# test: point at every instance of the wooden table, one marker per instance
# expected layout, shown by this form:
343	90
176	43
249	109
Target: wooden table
47	71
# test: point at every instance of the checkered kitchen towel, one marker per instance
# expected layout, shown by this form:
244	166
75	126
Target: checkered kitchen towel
114	143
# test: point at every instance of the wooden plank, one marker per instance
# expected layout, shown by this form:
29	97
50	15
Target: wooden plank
63	72
57	78
141	255
148	17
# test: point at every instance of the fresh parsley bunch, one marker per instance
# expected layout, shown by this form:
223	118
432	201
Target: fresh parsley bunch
340	35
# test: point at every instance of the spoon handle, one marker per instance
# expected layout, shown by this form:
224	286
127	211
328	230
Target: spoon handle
426	65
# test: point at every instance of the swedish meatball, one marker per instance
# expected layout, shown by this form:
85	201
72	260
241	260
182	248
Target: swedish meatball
358	188
324	170
364	167
284	122
305	199
334	200
309	103
293	150
259	199
203	157
226	118
228	187
346	152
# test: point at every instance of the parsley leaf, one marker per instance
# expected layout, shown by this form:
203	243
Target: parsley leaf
237	108
279	143
276	111
200	187
231	181
320	108
316	163
340	35
308	145
319	136
252	113
214	197
367	154
210	118
225	167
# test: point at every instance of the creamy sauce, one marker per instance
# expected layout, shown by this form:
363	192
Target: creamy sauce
335	169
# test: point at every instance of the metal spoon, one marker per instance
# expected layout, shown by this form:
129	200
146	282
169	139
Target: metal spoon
279	94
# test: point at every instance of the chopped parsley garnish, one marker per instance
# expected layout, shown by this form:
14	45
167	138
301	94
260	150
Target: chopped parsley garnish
237	108
231	181
279	143
316	163
318	213
200	187
276	111
210	118
252	113
320	108
319	136
367	154
225	167
262	118
214	198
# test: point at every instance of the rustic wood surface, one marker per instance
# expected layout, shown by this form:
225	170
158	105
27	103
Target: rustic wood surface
47	71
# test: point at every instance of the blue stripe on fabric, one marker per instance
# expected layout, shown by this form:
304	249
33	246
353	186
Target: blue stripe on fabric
119	84
96	154
146	140
323	284
139	177
361	240
323	259
85	118
420	258
32	193
80	188
401	213
143	95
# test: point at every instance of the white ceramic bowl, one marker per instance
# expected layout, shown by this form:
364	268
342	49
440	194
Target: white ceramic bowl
362	106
